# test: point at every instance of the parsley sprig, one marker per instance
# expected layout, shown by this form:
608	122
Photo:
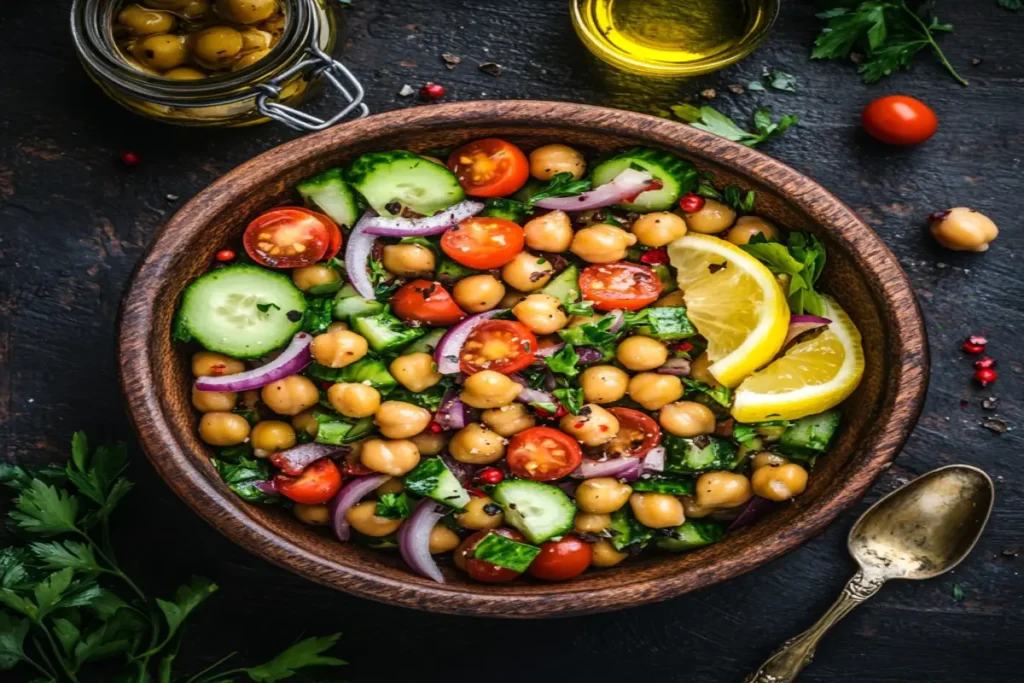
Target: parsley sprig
65	602
713	121
890	34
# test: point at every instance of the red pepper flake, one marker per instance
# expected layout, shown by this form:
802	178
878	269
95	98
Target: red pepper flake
655	257
974	344
225	255
543	412
985	376
682	347
130	158
691	203
435	428
491	475
476	493
217	369
432	91
985	362
326	385
603	428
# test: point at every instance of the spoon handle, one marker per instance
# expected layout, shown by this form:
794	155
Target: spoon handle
796	653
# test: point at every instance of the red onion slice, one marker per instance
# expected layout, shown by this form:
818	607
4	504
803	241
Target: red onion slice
357	256
624	187
679	367
588	355
421	227
755	509
798	324
349	495
414	540
267	488
446	355
549	351
294	358
296	459
654	460
528	395
452	413
618	318
617	468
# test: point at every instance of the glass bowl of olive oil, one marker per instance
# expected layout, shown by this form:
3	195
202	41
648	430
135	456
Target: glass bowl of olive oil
673	37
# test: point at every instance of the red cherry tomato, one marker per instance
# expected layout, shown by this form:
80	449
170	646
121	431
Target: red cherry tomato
543	454
317	484
484	243
619	285
638	433
482	570
899	120
560	560
426	302
288	237
490	167
504	346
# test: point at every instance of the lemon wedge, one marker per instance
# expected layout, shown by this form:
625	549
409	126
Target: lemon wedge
812	376
734	301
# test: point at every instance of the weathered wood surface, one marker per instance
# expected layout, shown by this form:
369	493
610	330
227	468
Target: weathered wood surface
73	221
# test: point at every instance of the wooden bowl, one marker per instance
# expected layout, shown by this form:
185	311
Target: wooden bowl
861	273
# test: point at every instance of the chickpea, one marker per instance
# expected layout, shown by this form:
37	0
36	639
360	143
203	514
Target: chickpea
392	485
779	483
713	217
308	277
146	22
408	260
542	313
654	391
602	243
217	46
185	73
306	422
416	371
657	510
592	427
246	11
489	389
214	401
223	429
272	436
337	326
430	443
527	272
338	349
508	420
511	298
550	232
210	364
478	293
400	420
641	353
477	445
687	419
963	229
605	555
548	161
694	511
480	513
671	299
748	226
603	384
395	457
766	459
699	370
659	228
363	518
591	522
722	489
255	39
314	515
353	399
602	495
291	395
443	539
245	61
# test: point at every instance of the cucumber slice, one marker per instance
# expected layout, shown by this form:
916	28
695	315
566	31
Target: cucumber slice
427	343
540	511
364	371
675	487
627	530
813	432
678	177
699	454
330	194
565	286
348	304
693	533
384	332
448	272
400	179
243	311
433	479
509	209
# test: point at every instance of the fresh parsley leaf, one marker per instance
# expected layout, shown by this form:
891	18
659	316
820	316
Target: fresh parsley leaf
18	478
802	259
1012	5
560	185
720	395
780	80
14	568
570	398
43	509
12	640
756	85
302	654
741	202
711	120
579	308
96	476
66	554
565	361
706	186
265	308
244	477
428	398
49	591
745	434
394	506
186	599
318	315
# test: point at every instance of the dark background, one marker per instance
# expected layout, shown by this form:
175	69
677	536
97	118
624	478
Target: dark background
74	220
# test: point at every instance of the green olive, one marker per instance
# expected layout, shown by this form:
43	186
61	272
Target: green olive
142	21
255	39
185	73
246	11
163	52
175	5
245	61
217	46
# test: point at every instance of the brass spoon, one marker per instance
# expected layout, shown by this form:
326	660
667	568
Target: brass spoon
919	531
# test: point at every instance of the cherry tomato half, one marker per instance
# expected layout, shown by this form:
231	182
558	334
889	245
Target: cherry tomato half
484	243
482	570
629	286
504	346
490	167
543	454
426	302
289	237
559	560
317	484
899	120
638	433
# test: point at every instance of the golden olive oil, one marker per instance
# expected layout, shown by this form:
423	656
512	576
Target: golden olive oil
673	37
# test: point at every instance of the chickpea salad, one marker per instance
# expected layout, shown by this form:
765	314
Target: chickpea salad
532	363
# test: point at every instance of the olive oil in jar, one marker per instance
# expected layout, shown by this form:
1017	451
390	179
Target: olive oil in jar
673	37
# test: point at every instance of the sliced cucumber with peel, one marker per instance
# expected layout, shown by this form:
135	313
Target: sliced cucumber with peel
391	181
540	511
328	192
677	177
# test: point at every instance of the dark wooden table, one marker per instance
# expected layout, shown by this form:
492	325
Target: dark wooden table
74	220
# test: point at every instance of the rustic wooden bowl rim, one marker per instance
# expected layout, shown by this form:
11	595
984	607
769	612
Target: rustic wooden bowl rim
904	395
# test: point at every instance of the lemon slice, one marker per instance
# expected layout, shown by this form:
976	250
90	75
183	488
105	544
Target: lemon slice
734	301
812	376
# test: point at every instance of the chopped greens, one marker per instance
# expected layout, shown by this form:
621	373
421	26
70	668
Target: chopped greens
565	361
802	258
394	506
560	185
713	121
504	552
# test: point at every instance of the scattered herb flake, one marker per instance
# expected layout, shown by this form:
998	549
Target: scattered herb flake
490	68
450	60
1012	5
780	80
713	121
958	592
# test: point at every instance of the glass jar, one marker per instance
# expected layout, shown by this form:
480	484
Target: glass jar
298	66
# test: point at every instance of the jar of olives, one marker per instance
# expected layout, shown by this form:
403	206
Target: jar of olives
215	62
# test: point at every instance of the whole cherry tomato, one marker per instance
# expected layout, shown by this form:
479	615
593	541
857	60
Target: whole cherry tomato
563	559
899	120
426	302
317	484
